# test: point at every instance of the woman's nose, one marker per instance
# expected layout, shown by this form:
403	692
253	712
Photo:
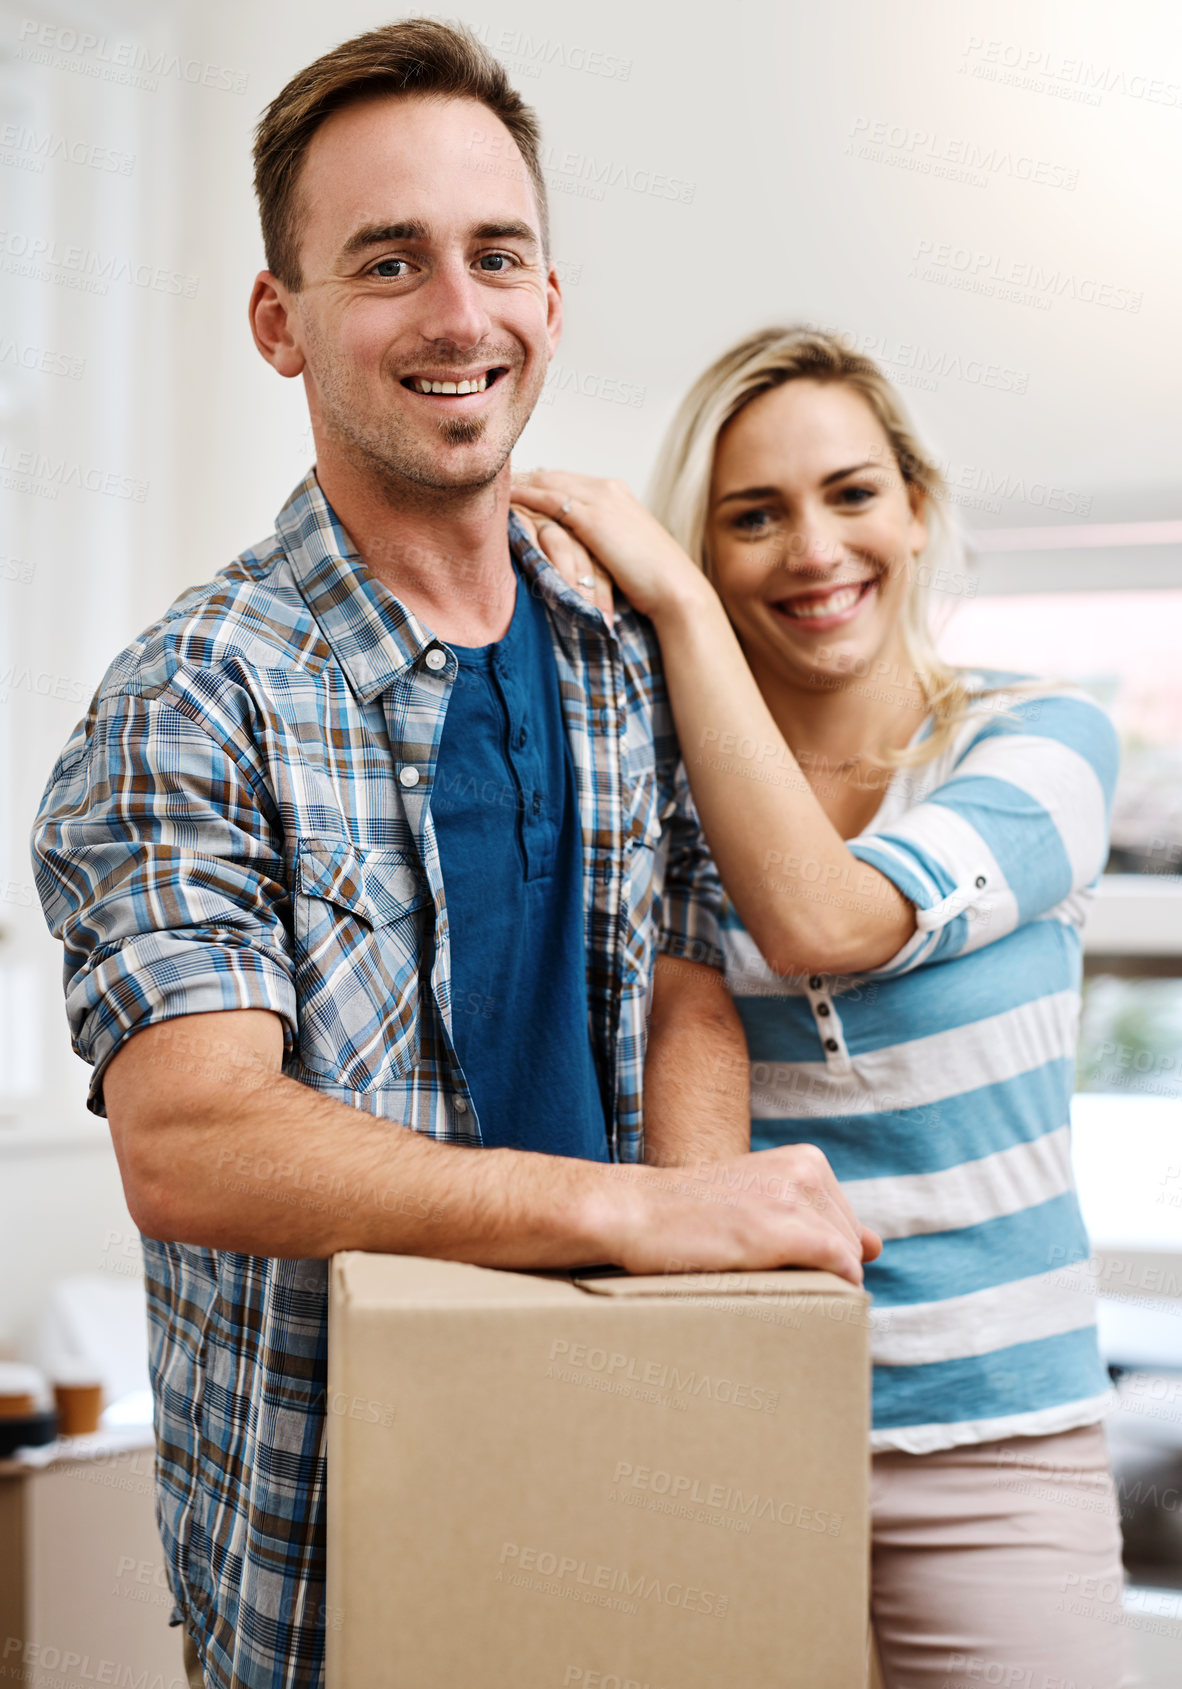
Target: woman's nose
812	547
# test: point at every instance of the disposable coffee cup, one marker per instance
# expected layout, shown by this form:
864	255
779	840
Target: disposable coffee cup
78	1407
22	1390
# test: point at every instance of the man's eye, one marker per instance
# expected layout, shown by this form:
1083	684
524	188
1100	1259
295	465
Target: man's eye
390	269
495	263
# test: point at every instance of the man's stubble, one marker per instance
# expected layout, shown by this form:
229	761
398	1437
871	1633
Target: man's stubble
396	458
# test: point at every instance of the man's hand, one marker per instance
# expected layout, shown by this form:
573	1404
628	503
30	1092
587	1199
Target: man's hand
774	1208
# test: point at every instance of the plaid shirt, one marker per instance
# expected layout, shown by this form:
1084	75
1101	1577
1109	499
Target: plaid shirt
242	820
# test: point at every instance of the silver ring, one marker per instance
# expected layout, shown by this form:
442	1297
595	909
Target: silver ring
565	506
586	580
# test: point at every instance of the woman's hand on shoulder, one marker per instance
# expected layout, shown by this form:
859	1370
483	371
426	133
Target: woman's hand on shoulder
572	560
609	522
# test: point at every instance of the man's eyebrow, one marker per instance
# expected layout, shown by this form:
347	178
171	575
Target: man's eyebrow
378	234
774	492
382	234
506	231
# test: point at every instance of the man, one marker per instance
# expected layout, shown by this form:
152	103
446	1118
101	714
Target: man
381	828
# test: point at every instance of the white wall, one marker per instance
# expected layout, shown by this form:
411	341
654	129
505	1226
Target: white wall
757	105
757	110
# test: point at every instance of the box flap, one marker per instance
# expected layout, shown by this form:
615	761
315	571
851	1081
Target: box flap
786	1281
363	1280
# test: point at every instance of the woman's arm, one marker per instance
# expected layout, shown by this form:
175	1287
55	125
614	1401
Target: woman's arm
805	898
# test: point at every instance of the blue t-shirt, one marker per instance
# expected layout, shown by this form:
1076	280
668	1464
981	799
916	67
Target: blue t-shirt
506	815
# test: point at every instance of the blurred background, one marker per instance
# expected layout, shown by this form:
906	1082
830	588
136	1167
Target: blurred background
981	196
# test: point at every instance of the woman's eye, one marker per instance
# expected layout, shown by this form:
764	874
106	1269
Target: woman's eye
754	521
856	495
390	269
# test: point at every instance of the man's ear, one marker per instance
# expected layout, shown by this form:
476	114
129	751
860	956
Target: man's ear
553	310
272	309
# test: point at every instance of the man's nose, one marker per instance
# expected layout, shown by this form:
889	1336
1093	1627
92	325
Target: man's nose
454	308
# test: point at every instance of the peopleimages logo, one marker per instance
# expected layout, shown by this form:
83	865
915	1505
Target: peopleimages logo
576	1578
126	62
31	471
569	1360
41	359
532	52
704	1501
568	170
1022	283
40	685
30	149
955	157
42	258
47	1657
585	1678
1041	71
926	364
562	378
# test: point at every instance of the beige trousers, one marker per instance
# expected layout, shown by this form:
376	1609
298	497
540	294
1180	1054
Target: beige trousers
999	1564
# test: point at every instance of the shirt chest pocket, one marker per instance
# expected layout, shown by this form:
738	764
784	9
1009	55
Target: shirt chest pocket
359	924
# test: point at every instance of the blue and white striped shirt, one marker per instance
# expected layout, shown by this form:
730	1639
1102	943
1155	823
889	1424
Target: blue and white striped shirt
939	1084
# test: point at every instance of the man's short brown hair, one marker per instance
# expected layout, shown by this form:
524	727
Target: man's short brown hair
417	56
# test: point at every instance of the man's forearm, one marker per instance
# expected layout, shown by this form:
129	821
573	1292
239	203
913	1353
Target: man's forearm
237	1156
696	1071
218	1148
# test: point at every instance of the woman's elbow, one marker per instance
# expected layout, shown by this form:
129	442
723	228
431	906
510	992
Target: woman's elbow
829	946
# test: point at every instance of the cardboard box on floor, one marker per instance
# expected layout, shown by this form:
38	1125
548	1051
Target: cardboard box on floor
545	1481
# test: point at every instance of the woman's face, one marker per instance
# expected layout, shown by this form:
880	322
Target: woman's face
812	531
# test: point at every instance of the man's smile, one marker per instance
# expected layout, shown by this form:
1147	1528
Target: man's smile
453	383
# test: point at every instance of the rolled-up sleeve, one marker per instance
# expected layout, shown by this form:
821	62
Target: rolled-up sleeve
158	859
1019	831
691	898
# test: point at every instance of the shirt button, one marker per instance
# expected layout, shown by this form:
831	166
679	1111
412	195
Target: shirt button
461	1106
816	982
980	882
822	1008
832	1044
436	659
408	776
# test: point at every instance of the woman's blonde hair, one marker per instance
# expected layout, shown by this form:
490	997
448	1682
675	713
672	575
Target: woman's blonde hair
681	489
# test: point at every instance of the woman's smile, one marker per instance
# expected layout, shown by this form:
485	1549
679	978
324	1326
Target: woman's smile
823	608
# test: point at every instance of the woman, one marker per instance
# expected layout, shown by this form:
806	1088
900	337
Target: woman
906	851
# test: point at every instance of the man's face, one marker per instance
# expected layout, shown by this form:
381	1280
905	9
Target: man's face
421	259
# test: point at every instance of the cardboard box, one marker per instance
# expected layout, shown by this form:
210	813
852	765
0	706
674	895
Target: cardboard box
545	1481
